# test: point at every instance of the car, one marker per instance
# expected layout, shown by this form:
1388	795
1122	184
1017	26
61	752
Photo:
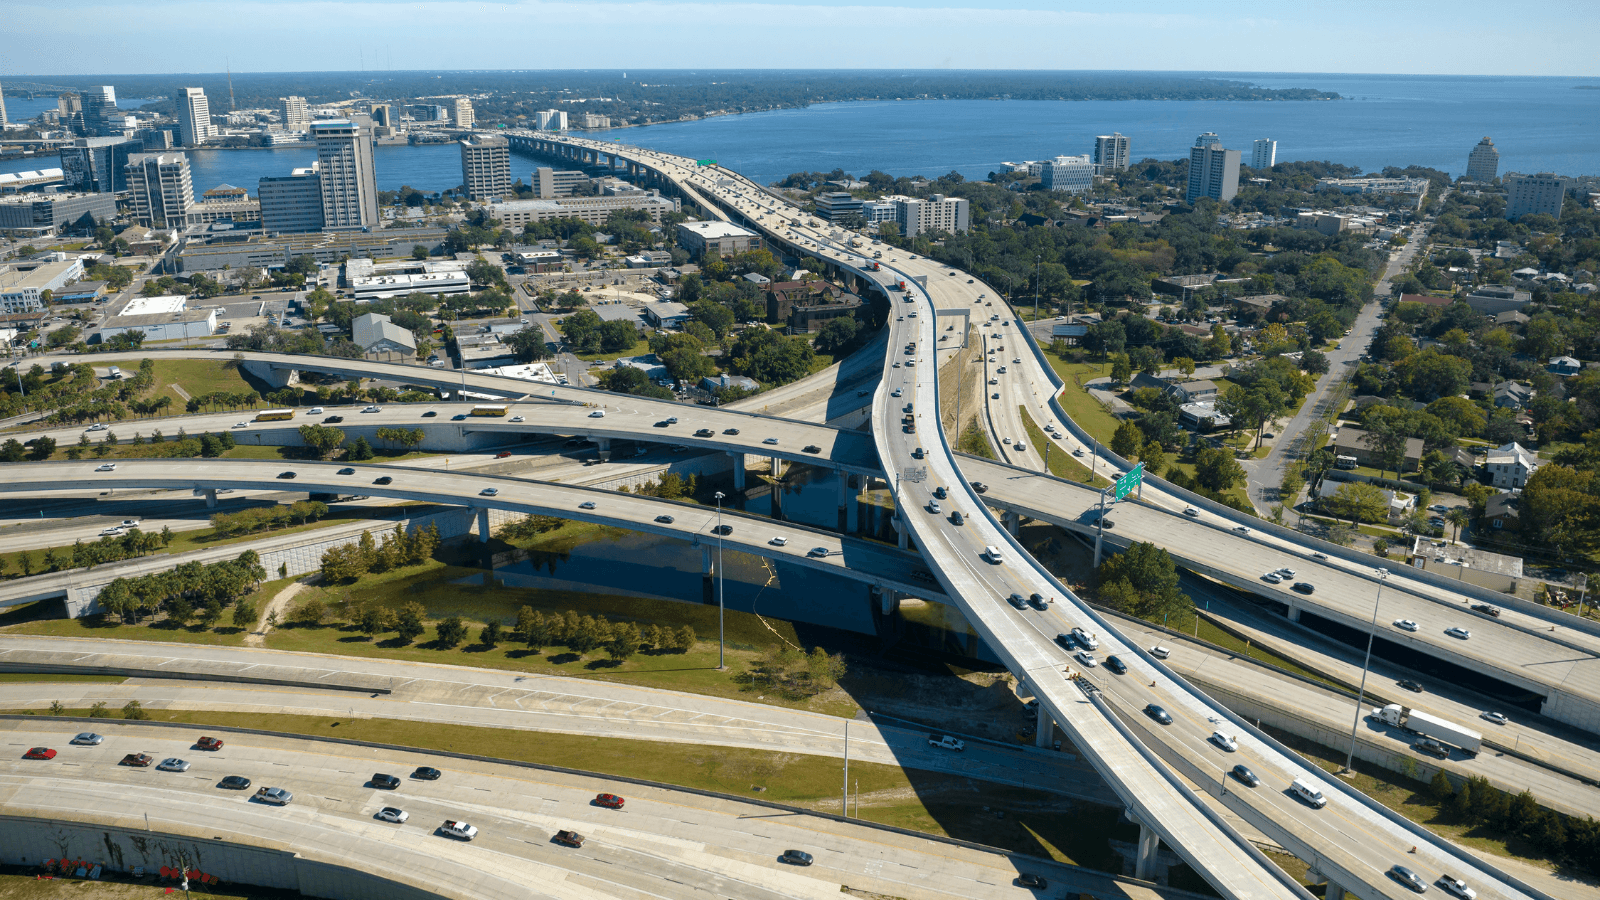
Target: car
1409	685
503	454
1486	609
286	475
39	753
1455	887
386	782
598	414
1304	587
1157	713
1405	624
173	764
730	431
956	518
139	760
1017	600
818	552
334	420
811	448
392	814
1244	776
241	425
88	739
488	492
1438	507
314	411
1116	665
569	838
1495	717
933	507
980	487
1065	640
113	531
795	858
1104	520
1028	879
1272	578
1432	748
426	773
106	467
778	541
705	432
1286	572
462	830
896	393
661	424
587	504
372	409
1190	511
723	530
917	453
1160	652
1224	741
1087	659
208	743
432	413
383	479
1408	878
234	783
517	419
1241	529
1459	633
771	440
1036	600
1320	555
275	795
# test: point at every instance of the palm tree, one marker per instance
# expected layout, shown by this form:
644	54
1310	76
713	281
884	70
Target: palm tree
1459	517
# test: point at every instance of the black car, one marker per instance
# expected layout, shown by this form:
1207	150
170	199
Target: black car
426	773
705	432
664	519
730	431
1432	748
234	783
285	474
333	420
723	530
430	414
1037	601
980	487
387	782
811	448
1245	776
957	518
347	471
795	857
1016	600
663	423
384	480
1116	665
1410	685
1304	587
1030	880
1157	713
1065	640
1105	522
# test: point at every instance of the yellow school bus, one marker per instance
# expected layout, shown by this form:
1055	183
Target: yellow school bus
274	415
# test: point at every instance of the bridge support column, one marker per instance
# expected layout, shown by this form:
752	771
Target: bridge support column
777	502
1294	613
902	532
1334	891
211	497
605	448
1045	732
738	471
777	467
483	524
891	601
1012	521
844	498
708	581
1144	867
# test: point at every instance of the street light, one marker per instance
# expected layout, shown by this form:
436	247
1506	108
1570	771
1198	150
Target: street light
722	639
1361	693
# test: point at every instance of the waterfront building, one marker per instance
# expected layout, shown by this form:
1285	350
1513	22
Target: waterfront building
549	183
1110	153
594	210
552	120
162	189
464	114
349	182
936	213
592	121
291	203
95	164
26	214
69	109
835	206
427	112
1483	163
1264	153
875	211
1071	174
1213	171
3	120
383	116
194	117
1535	194
486	167
294	114
99	112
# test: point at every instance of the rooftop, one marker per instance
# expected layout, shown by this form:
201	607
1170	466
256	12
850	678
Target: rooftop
715	229
149	306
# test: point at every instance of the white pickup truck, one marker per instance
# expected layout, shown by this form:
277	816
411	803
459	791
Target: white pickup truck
460	830
946	742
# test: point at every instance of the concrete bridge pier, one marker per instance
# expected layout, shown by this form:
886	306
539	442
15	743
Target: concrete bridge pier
738	470
605	448
211	497
483	524
1333	891
902	532
1012	521
777	502
1294	613
1045	732
844	500
777	467
1149	846
708	571
891	601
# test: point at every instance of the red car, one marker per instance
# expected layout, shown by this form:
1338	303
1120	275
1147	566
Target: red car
502	454
208	743
40	753
138	759
609	801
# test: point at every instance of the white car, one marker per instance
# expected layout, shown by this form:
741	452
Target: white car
587	504
770	441
113	531
314	411
1405	625
372	409
1272	578
1223	741
1191	512
393	814
516	418
241	424
106	467
895	393
1321	556
1241	529
779	541
1459	633
598	414
174	764
1087	659
1495	717
1286	572
460	830
88	739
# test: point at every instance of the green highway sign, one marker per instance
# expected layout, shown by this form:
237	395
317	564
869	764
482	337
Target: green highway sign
1128	481
705	162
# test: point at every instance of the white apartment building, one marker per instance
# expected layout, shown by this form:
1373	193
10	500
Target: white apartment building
293	112
1072	174
592	121
875	211
1483	163
349	184
1529	194
22	290
1110	153
162	189
1213	171
594	210
1264	153
552	120
194	117
464	114
486	167
936	213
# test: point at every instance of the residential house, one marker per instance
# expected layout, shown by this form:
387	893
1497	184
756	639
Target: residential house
1512	395
713	383
1564	365
1401	506
1511	317
1202	391
375	334
1353	442
1201	418
1509	467
1502	510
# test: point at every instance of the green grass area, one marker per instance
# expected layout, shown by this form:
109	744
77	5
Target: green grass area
19	883
195	376
30	677
1062	463
975	440
1082	408
640	348
1238	491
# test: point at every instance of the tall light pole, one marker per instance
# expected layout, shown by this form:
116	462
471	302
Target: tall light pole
722	637
1037	259
1361	694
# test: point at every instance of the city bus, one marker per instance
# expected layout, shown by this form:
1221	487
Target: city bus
493	409
274	415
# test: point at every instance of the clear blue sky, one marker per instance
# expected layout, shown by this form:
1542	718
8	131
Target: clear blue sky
1472	37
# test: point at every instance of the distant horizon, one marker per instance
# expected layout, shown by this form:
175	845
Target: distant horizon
1228	74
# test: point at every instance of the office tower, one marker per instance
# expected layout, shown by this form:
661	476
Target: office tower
96	163
194	116
293	112
1483	163
1265	154
552	120
1213	171
291	203
1072	174
486	167
99	108
161	187
1110	153
1530	194
383	116
70	108
2	108
464	115
549	184
349	184
154	138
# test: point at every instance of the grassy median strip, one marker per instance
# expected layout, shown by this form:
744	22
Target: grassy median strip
1083	408
1062	463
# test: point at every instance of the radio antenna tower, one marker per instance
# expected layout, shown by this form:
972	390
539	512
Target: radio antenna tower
228	61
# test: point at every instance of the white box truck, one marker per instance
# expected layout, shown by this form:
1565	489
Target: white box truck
1418	722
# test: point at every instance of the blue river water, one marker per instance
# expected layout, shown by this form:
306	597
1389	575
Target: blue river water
1539	124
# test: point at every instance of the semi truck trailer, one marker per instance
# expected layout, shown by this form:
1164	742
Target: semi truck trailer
1418	722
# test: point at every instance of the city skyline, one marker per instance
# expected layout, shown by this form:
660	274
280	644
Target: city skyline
973	34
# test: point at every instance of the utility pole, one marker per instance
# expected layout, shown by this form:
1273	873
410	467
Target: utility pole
845	802
1037	259
1361	693
722	636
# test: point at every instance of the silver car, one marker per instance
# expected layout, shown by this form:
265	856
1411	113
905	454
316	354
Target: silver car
88	739
174	764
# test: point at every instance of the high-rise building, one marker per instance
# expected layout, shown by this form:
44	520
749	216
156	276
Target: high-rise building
162	189
1483	163
349	183
591	120
1213	171
99	110
95	164
926	215
464	114
1264	154
1110	153
1073	174
3	120
292	203
383	116
552	120
154	138
194	117
1534	194
292	110
486	167
70	108
549	184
